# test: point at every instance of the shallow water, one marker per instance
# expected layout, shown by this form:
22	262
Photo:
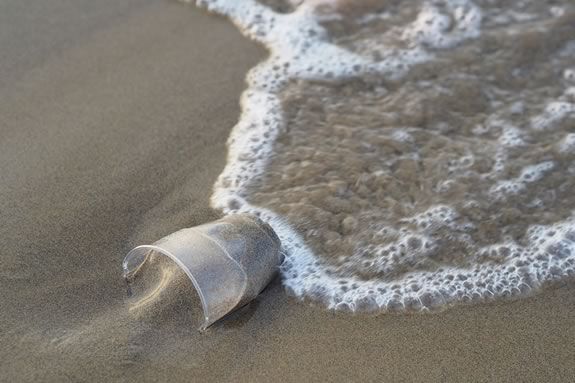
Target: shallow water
410	155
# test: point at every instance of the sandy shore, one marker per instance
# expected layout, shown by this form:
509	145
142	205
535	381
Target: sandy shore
113	124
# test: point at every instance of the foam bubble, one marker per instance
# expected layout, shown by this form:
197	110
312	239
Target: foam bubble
567	144
554	113
460	21
532	173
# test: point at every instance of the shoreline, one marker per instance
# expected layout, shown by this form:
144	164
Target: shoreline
117	140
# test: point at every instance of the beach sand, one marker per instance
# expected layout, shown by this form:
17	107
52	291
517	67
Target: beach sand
113	123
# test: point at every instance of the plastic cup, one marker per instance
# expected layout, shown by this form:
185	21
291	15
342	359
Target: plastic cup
229	261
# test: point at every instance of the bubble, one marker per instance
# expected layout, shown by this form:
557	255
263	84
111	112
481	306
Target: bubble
366	304
560	250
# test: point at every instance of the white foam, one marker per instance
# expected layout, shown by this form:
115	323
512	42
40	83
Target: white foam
567	144
439	29
532	173
557	11
300	49
512	137
554	113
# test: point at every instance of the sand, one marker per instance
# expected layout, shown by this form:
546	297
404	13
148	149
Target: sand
113	122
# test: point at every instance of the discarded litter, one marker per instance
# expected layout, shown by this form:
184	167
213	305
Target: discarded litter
229	261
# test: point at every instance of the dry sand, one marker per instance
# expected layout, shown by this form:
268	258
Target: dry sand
113	122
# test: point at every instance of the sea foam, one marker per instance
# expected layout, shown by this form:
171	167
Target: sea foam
366	239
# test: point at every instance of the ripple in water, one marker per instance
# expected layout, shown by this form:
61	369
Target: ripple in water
410	155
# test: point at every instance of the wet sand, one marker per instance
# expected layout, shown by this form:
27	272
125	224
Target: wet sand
113	122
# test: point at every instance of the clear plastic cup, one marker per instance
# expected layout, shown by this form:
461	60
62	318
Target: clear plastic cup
229	261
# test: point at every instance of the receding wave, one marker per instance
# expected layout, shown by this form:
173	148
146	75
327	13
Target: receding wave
410	154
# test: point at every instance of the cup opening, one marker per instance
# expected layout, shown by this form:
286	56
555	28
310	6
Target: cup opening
137	257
